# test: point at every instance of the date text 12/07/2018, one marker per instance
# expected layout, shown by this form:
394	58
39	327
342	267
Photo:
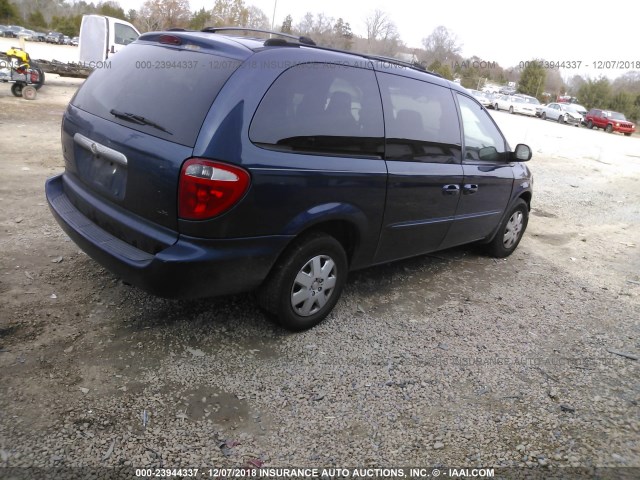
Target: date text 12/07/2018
576	64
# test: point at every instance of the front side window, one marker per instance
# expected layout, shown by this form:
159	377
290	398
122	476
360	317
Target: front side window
420	119
323	109
483	142
124	34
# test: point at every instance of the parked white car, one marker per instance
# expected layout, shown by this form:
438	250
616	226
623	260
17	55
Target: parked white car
501	102
481	97
562	114
514	104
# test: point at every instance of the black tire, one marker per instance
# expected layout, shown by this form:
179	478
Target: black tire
510	231
589	124
627	134
511	110
609	128
543	116
16	89
561	119
496	107
41	77
305	258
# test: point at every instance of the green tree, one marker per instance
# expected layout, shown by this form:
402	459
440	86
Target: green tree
36	20
621	102
343	34
69	26
201	19
594	93
287	25
443	69
8	12
111	9
532	79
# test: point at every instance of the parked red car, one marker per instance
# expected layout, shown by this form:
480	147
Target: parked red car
609	121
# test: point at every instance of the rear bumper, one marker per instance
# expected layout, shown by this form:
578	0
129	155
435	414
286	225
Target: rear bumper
190	268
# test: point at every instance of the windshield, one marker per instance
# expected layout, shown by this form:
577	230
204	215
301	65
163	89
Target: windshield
576	108
617	116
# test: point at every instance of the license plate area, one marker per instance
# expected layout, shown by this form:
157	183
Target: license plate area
101	167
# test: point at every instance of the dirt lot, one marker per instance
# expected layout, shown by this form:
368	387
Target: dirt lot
450	359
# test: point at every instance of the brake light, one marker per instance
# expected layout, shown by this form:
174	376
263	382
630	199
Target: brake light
209	188
170	40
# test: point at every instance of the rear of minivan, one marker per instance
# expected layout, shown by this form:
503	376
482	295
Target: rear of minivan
128	139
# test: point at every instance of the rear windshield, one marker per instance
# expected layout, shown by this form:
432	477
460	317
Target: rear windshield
170	88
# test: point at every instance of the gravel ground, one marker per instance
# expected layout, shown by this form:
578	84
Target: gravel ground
448	359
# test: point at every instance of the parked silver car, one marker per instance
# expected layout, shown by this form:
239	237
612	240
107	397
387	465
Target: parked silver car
562	114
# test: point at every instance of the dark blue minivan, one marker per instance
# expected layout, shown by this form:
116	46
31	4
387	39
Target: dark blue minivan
200	164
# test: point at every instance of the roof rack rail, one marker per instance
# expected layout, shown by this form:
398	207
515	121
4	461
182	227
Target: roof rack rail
302	40
396	61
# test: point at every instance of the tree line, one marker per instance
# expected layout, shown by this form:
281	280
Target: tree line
441	50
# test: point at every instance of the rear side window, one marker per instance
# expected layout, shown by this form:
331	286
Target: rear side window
321	109
421	120
170	87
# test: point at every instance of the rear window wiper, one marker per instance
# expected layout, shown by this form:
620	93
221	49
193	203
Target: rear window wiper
140	120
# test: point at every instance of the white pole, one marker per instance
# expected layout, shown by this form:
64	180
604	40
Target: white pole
273	17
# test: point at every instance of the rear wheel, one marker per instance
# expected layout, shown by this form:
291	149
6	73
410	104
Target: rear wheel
543	116
589	124
306	283
510	231
609	128
511	110
16	89
496	107
40	81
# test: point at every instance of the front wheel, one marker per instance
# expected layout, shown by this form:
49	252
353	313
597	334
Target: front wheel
306	283
543	116
496	107
627	134
29	92
511	110
560	119
589	124
510	231
609	128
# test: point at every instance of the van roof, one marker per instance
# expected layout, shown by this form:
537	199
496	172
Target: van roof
241	47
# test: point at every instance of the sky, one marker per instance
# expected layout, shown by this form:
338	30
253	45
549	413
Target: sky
494	30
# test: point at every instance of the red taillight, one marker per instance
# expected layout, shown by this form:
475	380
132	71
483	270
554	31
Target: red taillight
209	188
170	40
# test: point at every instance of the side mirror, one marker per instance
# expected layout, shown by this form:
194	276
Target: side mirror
522	153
